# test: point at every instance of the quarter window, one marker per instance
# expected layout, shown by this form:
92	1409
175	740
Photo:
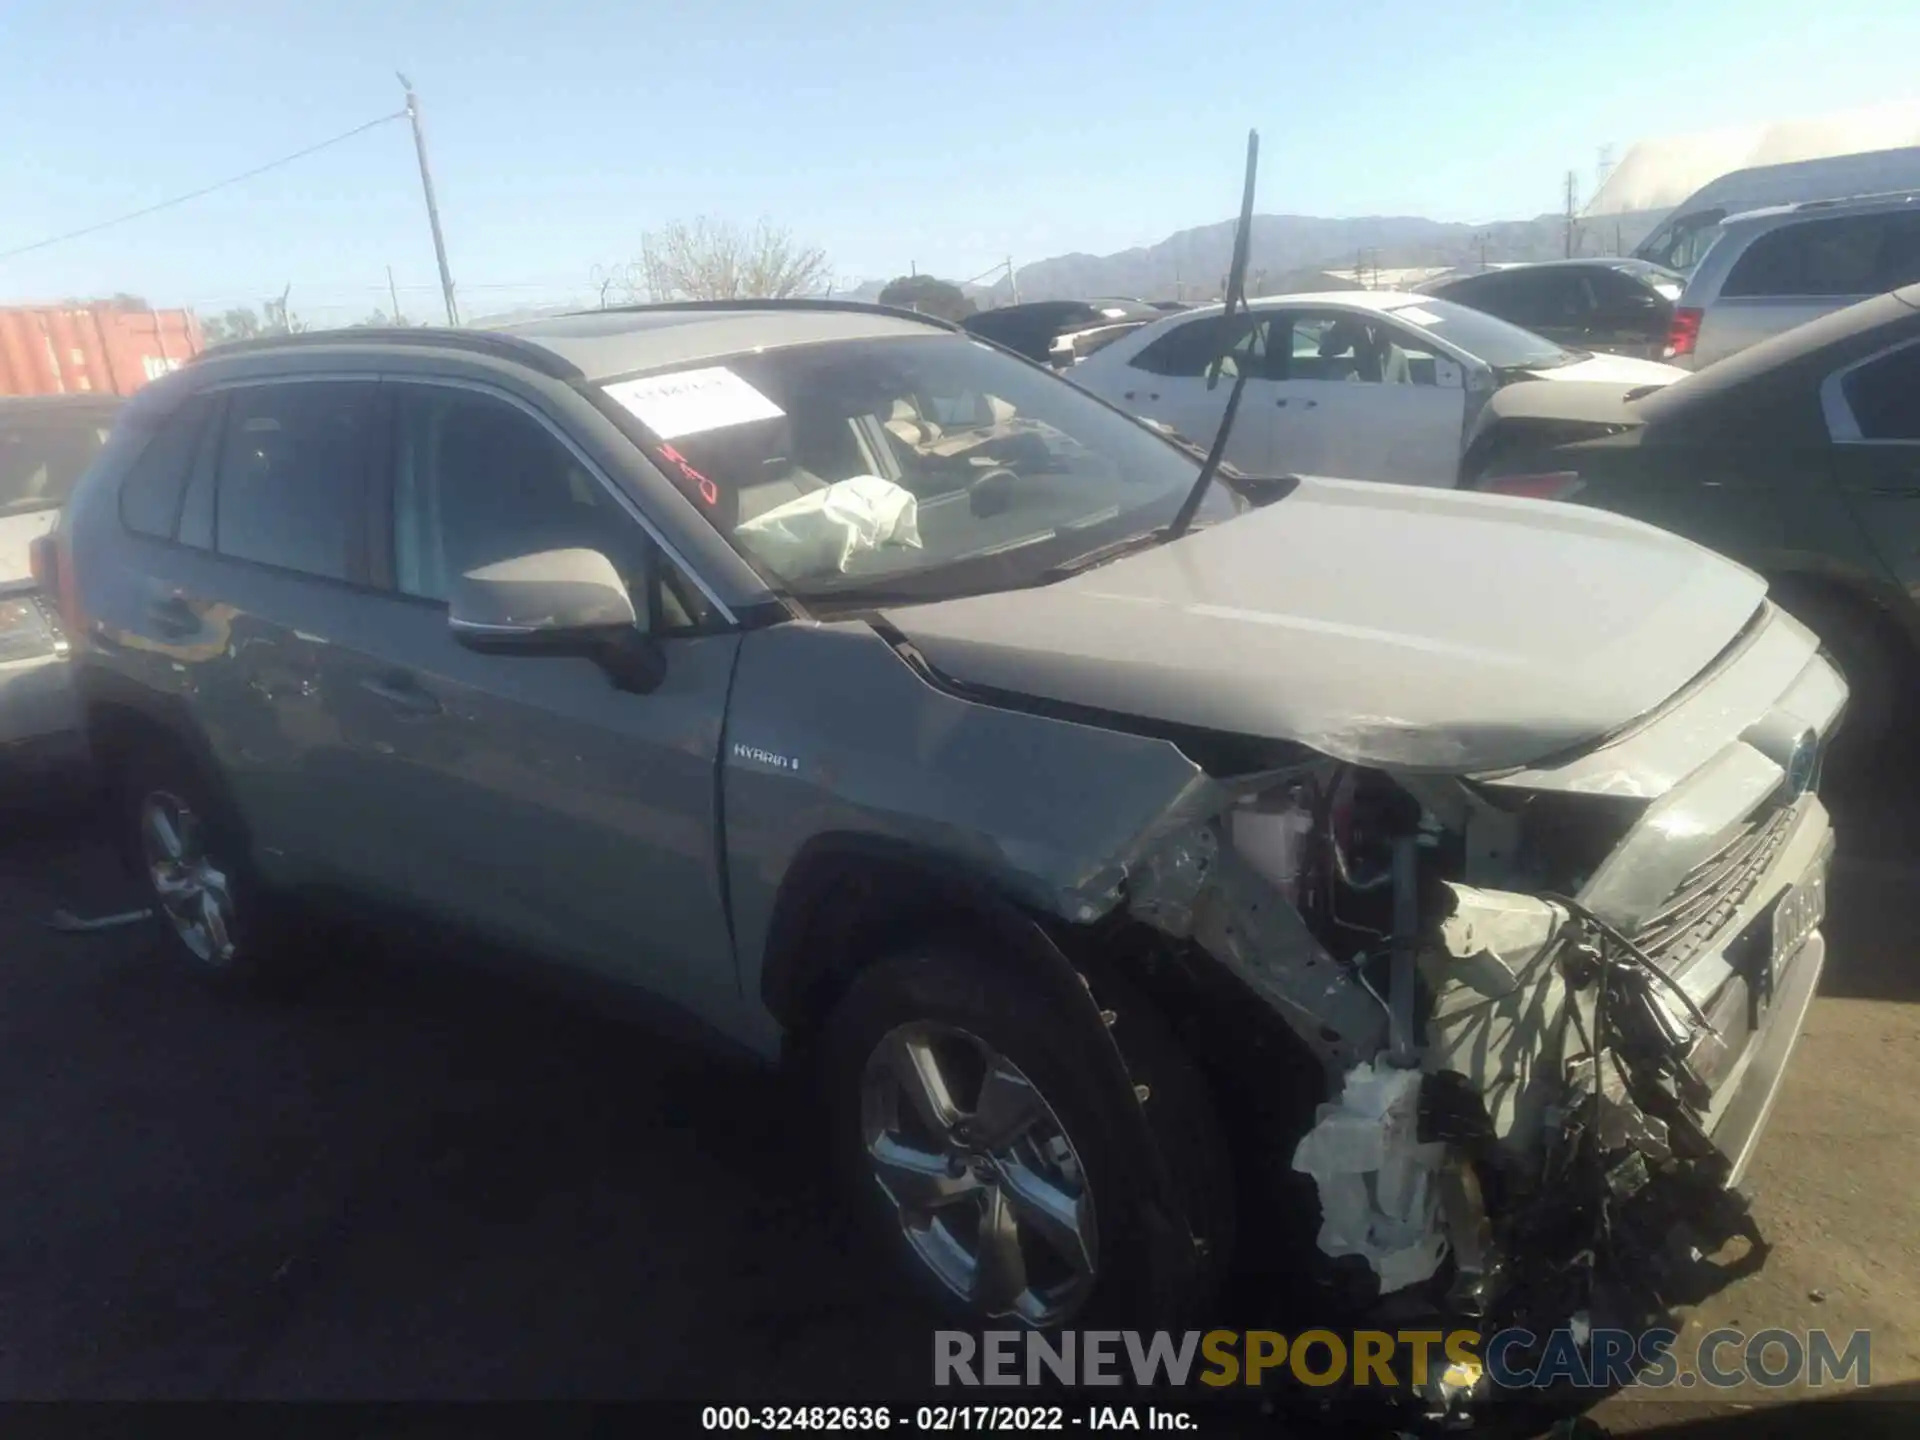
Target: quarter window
292	466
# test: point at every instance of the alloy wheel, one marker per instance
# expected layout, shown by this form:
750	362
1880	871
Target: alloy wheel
990	1191
194	891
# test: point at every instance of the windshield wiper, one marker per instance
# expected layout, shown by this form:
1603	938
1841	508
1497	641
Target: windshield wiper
1236	304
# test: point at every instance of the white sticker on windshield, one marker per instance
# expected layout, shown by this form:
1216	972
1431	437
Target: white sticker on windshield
1416	315
690	401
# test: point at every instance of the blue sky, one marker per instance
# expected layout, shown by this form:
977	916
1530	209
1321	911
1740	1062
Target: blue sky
943	135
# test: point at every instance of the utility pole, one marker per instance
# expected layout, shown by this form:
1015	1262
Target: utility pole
433	208
1012	283
393	295
1571	180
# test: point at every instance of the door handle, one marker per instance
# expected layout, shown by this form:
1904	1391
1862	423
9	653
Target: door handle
1896	492
1134	395
173	617
403	693
1280	404
1309	404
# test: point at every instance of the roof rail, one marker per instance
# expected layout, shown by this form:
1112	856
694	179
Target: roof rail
858	307
484	342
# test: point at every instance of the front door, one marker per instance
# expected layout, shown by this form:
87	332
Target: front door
527	796
1364	398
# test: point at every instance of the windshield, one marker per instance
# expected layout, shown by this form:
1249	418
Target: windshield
41	458
1679	244
1503	346
905	468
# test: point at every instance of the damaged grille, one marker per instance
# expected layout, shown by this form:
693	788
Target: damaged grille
1706	899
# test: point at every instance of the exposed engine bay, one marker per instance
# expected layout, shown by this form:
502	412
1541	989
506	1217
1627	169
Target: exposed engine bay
1522	1093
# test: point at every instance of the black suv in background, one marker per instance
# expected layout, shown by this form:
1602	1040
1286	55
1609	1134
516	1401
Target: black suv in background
1621	306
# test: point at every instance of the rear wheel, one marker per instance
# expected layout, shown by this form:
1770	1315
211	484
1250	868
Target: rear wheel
189	851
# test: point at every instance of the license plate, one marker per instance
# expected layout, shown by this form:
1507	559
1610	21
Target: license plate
1798	914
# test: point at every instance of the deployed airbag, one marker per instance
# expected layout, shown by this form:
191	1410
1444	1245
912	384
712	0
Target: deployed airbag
824	530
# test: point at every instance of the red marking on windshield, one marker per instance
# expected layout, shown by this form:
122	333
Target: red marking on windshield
709	492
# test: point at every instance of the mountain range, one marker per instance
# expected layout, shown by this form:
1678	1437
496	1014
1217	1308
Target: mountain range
1295	252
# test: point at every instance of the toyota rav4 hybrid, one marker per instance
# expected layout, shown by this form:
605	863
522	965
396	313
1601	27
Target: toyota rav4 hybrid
1425	884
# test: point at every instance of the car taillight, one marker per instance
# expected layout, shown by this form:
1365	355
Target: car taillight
1548	485
54	580
1683	333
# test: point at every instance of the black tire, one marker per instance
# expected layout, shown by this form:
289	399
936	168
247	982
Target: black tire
260	955
1877	667
959	984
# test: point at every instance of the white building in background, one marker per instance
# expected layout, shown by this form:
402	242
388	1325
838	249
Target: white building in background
1658	174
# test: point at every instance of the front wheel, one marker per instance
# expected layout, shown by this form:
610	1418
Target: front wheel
992	1156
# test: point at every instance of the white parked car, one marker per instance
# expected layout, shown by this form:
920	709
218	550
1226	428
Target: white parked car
1363	384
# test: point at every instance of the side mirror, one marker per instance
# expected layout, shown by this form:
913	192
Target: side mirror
555	602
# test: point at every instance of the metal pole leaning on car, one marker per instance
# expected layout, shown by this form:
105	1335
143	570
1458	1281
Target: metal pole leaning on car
1236	303
433	208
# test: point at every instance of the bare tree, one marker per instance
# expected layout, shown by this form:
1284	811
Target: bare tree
707	259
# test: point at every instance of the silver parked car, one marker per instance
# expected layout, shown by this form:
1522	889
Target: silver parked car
1773	269
841	681
46	443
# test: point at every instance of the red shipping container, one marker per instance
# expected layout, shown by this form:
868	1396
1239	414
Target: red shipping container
91	349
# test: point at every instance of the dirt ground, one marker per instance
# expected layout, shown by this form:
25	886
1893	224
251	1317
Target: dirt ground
421	1182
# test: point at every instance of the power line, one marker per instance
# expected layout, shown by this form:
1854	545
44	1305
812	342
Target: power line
206	190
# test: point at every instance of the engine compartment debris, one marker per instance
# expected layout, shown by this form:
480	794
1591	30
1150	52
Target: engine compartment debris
1378	1183
1518	1112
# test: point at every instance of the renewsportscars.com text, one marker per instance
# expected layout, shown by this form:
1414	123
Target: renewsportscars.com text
1512	1359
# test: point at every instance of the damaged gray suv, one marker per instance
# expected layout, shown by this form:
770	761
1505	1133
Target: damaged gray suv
1432	881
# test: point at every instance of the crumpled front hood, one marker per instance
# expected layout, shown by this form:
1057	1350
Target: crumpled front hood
1380	624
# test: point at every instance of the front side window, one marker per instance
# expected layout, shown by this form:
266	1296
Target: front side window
477	480
1340	345
292	468
907	467
1884	396
42	456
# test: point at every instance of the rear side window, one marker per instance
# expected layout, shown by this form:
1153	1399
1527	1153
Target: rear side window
1820	257
1884	396
1186	351
151	492
292	468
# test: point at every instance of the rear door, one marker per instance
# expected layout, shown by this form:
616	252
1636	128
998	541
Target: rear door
1873	413
1167	381
526	796
244	516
